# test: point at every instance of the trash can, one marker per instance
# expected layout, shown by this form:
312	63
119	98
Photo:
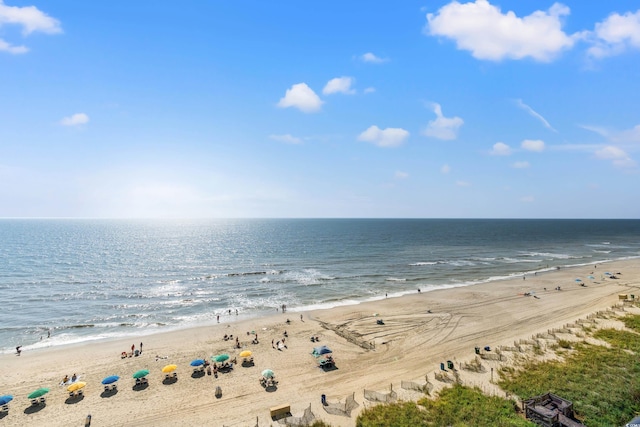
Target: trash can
449	364
477	350
442	367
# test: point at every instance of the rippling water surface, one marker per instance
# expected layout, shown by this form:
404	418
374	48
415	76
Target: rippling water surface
92	279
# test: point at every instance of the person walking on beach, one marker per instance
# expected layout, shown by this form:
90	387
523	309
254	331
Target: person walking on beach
18	350
140	347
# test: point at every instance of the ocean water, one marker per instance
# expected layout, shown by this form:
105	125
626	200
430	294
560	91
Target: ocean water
84	280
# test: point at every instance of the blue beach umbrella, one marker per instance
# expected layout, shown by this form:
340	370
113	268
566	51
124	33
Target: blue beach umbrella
591	277
319	351
110	379
197	362
578	280
5	399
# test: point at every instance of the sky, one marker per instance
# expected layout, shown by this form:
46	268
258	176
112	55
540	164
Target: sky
332	109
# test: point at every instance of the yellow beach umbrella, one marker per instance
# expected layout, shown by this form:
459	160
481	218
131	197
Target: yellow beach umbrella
169	368
245	353
76	386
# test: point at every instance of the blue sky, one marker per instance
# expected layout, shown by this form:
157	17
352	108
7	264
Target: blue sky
433	109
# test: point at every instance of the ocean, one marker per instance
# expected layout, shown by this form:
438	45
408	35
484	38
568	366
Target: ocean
79	280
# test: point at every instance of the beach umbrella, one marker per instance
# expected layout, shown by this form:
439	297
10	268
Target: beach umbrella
169	368
5	399
246	353
591	277
37	393
76	386
110	379
197	362
268	373
141	373
607	273
220	357
323	349
578	280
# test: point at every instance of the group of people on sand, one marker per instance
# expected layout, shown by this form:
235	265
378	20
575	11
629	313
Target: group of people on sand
134	352
214	368
66	379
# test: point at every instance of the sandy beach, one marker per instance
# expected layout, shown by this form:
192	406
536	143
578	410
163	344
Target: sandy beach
420	331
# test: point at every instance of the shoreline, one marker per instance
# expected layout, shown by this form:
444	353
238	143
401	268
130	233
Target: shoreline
420	331
81	340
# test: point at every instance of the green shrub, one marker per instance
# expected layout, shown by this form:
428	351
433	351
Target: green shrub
401	414
464	406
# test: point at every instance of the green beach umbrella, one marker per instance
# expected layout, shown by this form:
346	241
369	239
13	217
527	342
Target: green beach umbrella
268	373
141	373
39	392
220	358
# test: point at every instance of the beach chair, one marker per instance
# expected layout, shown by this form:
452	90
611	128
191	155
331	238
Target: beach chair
43	400
5	408
35	402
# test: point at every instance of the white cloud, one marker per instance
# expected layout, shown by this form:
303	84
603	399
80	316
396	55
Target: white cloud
370	57
618	156
6	47
616	34
301	97
534	114
370	90
500	149
463	184
443	127
339	85
75	120
532	145
527	199
31	19
487	33
445	169
389	137
625	136
401	175
286	138
520	165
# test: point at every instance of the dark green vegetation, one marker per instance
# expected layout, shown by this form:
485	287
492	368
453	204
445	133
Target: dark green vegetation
464	406
603	383
455	406
401	414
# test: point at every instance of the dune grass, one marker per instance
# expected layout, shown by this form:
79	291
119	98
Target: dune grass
602	382
455	406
